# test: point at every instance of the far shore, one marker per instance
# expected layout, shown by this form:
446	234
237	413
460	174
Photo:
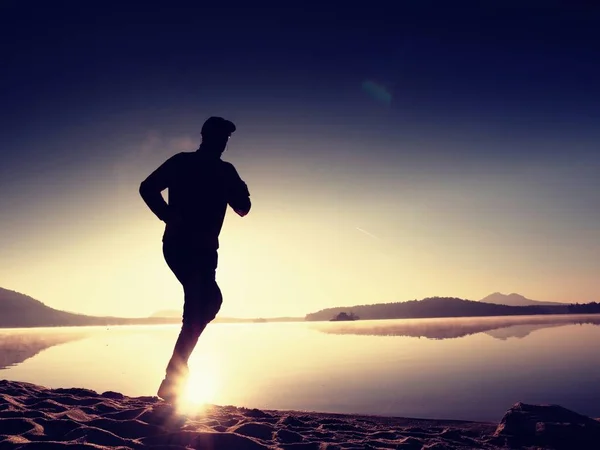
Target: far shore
508	319
129	322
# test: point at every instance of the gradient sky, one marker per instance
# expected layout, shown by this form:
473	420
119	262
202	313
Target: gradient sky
392	153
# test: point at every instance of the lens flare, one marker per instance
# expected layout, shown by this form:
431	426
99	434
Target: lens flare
378	92
200	390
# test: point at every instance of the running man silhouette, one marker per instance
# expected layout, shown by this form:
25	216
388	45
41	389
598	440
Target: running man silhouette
200	185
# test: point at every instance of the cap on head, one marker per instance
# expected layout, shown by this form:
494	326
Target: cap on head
216	127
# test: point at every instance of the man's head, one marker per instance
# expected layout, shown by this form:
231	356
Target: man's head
215	134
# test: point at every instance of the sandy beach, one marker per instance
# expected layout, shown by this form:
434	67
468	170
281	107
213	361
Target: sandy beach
34	417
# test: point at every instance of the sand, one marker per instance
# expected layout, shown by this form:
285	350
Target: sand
34	417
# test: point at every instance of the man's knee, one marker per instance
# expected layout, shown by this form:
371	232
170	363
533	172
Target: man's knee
198	316
203	300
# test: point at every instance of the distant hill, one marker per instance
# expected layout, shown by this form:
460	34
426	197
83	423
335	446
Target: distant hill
171	313
167	313
20	311
515	300
449	307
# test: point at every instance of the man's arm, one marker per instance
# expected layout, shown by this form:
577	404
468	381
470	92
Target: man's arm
238	195
158	181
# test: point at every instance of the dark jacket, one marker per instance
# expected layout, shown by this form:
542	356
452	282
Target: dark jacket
200	188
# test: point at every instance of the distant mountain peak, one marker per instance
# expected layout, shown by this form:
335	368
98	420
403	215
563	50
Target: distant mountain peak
514	299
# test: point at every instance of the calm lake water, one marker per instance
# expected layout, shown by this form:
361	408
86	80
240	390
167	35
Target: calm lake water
472	369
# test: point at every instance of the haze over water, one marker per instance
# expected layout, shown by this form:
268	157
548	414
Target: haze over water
472	369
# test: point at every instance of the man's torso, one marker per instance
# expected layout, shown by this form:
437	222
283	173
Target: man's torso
197	197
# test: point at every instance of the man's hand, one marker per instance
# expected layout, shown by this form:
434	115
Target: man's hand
238	196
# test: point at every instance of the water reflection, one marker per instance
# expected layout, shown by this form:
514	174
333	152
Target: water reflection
452	328
335	367
17	346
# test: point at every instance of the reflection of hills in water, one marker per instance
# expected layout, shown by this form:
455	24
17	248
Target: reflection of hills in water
16	347
497	327
521	331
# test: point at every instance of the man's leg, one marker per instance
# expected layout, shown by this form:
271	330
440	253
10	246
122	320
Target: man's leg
186	342
202	301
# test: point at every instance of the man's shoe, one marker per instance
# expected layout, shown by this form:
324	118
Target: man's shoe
170	388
